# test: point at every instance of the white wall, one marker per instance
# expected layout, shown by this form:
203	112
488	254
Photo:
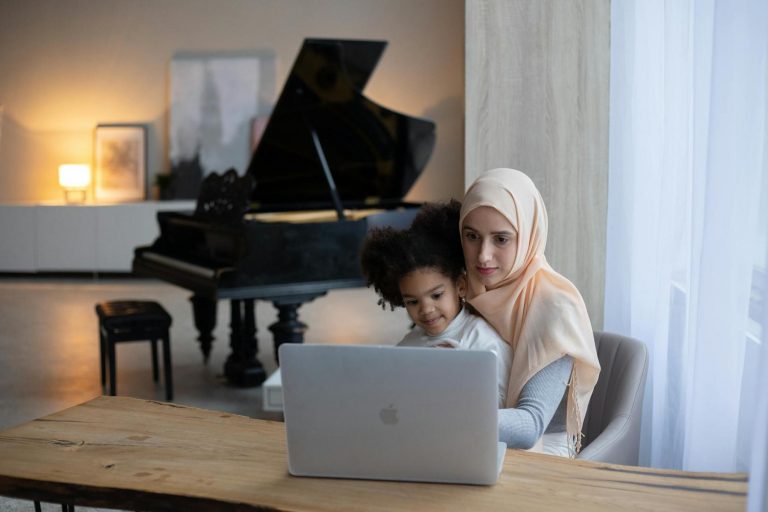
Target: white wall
67	65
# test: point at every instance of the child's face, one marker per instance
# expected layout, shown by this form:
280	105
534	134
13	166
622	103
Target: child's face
490	245
431	298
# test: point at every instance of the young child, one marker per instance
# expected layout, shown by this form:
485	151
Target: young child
422	269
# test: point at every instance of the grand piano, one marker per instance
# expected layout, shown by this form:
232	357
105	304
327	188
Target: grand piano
330	165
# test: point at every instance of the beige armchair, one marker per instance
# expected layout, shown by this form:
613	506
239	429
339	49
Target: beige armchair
612	425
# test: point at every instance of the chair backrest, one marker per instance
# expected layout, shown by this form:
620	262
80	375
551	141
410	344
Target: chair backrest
612	424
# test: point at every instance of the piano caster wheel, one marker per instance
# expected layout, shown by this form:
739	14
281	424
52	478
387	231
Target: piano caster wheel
244	374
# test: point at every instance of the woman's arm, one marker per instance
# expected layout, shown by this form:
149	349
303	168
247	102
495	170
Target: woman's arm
523	425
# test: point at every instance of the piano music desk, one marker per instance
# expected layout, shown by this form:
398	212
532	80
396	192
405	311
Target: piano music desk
145	455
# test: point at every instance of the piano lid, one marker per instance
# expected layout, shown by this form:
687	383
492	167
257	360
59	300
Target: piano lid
372	152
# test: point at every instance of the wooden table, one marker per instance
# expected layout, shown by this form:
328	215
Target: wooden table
143	455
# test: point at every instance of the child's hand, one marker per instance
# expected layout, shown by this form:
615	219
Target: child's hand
445	344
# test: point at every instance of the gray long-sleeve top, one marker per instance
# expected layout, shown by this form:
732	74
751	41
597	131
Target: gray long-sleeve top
541	406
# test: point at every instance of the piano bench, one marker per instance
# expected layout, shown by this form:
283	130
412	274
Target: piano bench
133	320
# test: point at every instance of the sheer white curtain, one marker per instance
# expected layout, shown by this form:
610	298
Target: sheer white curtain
686	238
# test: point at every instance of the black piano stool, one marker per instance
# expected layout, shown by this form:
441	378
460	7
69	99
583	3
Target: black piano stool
134	320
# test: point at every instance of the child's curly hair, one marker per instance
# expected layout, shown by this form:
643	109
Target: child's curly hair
432	241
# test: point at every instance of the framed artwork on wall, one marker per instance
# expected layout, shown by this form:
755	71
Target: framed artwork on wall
120	162
216	99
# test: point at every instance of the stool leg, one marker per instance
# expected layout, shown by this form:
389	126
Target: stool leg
155	373
102	358
167	368
112	369
37	506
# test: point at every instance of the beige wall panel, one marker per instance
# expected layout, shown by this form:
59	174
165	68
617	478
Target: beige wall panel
67	65
537	76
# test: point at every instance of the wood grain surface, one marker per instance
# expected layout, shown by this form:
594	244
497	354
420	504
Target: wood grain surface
144	455
537	95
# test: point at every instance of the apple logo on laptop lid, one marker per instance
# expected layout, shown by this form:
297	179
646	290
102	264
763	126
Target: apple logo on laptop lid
388	415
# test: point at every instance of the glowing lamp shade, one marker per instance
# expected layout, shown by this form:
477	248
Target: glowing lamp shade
74	179
74	175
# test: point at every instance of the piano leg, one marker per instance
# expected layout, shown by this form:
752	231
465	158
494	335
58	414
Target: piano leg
288	328
204	314
242	368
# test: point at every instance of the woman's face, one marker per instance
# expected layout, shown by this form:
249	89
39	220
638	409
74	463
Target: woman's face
490	245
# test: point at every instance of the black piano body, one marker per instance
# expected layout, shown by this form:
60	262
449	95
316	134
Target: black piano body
330	166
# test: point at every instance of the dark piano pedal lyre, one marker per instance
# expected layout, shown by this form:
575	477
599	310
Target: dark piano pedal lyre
330	165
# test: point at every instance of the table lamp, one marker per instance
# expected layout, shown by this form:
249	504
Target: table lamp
74	179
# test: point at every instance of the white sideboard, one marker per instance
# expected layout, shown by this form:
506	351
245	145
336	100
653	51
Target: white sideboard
77	238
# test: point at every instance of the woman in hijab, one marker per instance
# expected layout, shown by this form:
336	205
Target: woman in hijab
537	311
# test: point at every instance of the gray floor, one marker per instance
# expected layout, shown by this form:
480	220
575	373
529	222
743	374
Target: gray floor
50	355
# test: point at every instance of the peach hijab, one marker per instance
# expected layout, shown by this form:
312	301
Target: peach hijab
537	311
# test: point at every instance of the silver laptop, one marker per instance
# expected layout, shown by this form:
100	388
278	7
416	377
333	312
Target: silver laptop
391	413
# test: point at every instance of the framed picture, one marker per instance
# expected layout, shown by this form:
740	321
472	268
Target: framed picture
120	162
214	98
